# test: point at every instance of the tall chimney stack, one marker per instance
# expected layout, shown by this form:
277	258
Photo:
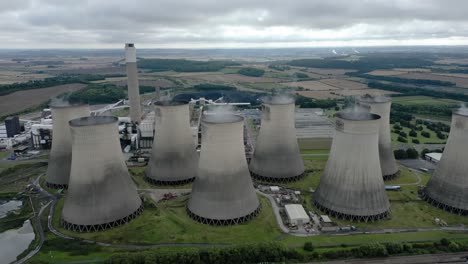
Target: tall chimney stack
132	83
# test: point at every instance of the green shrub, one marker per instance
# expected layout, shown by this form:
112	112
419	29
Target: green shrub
308	246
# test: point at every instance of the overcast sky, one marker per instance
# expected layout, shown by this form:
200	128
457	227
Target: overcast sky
231	23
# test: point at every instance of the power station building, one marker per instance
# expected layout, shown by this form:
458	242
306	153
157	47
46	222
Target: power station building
381	106
174	159
132	83
101	193
58	171
448	186
352	186
223	192
276	156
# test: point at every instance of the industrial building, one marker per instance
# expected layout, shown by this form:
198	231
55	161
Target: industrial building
276	156
12	126
58	171
132	83
296	214
381	106
448	186
352	186
223	192
174	159
101	193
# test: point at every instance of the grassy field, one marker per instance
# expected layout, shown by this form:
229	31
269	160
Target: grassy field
169	223
423	100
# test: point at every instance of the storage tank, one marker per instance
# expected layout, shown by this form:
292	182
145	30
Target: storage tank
223	192
58	171
174	159
448	186
352	186
381	105
276	156
101	193
132	83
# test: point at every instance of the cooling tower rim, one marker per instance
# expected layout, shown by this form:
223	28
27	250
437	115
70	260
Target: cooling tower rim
357	116
225	119
68	106
170	103
92	121
129	45
271	102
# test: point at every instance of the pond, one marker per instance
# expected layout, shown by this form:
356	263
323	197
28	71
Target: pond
14	241
9	206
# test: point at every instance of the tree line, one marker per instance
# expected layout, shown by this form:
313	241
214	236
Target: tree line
182	65
418	82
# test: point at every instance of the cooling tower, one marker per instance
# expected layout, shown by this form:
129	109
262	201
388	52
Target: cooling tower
352	186
448	186
58	171
132	83
174	159
223	193
381	106
101	193
276	156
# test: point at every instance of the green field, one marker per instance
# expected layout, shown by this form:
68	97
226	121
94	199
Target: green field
425	100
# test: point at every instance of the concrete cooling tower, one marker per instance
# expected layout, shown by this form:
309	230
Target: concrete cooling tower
381	106
448	186
276	156
132	83
174	159
101	193
223	192
352	186
58	171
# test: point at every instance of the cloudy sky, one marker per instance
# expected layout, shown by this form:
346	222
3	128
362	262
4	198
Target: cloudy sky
231	23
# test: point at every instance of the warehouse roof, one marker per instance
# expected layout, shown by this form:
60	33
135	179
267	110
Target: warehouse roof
295	211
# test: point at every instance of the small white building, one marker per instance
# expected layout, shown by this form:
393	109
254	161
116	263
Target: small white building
274	188
296	214
433	157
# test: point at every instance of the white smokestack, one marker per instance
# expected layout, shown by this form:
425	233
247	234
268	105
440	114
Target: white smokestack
132	83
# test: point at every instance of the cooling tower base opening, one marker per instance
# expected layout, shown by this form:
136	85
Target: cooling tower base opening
278	180
168	183
224	222
353	218
100	227
56	186
445	207
391	176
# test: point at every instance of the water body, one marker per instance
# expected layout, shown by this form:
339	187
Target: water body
6	207
13	242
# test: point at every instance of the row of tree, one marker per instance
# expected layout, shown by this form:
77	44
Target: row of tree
180	65
417	82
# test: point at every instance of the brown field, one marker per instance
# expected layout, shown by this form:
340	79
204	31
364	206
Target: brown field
412	69
122	81
23	100
385	72
311	85
460	82
459	75
452	61
319	94
344	84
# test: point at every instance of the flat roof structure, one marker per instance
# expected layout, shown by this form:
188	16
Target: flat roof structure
434	156
296	214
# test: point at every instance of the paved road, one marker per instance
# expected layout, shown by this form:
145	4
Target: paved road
460	257
276	212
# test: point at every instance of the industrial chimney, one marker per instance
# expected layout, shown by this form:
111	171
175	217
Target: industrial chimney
101	193
448	186
174	159
381	106
58	171
223	193
352	186
132	83
276	156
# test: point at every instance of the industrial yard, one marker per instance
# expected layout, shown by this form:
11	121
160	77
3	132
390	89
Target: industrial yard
232	165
